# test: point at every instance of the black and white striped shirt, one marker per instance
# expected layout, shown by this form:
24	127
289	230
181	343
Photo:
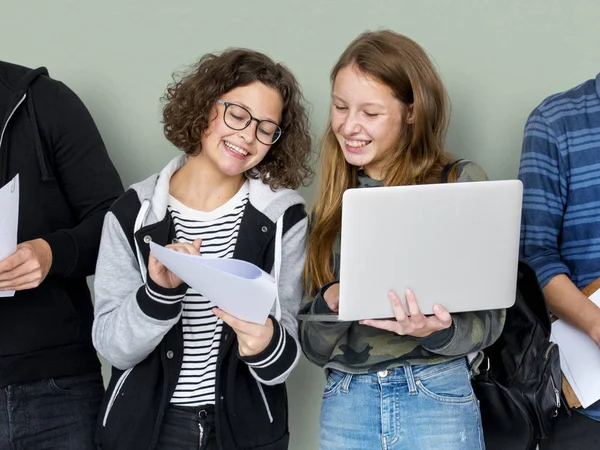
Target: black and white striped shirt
218	230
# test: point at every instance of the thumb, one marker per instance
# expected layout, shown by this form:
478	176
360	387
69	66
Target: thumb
442	315
197	243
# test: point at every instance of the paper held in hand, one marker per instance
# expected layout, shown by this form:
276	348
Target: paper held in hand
237	287
579	359
9	219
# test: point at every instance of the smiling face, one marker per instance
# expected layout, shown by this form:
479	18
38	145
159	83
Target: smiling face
233	152
367	120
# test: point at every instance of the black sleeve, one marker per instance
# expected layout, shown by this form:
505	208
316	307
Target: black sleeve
86	177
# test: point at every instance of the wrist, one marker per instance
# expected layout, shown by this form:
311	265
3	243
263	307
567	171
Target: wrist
45	252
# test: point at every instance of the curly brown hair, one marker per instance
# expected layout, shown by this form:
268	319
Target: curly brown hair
191	97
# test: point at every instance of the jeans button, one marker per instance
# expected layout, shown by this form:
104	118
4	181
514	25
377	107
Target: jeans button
170	354
383	373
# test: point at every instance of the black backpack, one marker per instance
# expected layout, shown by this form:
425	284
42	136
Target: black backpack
519	384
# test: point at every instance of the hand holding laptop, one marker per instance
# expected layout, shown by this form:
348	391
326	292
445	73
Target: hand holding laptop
456	242
332	297
412	322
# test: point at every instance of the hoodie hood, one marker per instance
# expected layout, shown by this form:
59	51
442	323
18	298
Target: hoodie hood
19	80
154	192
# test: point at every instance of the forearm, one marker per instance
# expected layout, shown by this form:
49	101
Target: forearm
127	334
86	177
130	317
570	304
75	250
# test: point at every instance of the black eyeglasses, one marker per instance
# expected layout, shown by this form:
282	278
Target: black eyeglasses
238	118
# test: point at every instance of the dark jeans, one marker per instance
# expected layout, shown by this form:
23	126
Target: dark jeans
188	428
577	432
58	413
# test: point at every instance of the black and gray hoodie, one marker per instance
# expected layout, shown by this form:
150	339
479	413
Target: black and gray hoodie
142	337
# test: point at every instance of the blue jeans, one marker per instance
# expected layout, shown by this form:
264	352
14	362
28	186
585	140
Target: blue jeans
411	407
57	413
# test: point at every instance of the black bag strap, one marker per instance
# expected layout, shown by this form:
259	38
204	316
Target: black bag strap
447	168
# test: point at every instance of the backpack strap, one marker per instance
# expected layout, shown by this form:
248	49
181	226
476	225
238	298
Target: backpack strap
447	168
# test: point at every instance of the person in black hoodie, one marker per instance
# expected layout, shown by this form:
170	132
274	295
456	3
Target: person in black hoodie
49	371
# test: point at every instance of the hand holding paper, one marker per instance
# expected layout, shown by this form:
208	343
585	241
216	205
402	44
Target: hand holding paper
252	338
27	267
160	274
579	359
237	287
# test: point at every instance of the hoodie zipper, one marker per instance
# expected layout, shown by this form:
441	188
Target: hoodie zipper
10	117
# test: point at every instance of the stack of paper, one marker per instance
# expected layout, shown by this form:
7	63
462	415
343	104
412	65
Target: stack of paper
9	219
579	359
237	287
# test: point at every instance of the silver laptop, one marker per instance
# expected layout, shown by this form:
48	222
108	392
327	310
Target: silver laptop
454	244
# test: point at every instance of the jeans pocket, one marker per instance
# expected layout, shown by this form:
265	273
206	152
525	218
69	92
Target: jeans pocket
82	385
335	381
448	386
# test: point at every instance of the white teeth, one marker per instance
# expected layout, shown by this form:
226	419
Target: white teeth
236	149
356	144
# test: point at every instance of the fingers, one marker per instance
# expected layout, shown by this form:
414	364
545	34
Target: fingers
387	325
10	263
408	322
27	281
18	271
185	247
154	265
197	244
24	271
252	338
238	325
161	275
442	315
417	319
332	297
230	320
416	324
411	302
399	312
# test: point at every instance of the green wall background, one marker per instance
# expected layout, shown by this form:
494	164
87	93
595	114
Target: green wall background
498	59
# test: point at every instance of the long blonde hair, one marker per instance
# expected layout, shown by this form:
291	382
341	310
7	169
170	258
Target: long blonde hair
403	66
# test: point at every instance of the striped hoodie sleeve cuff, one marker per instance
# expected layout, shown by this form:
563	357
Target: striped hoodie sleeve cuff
160	303
277	358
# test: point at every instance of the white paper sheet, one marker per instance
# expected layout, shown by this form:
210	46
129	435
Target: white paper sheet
237	287
579	359
9	220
